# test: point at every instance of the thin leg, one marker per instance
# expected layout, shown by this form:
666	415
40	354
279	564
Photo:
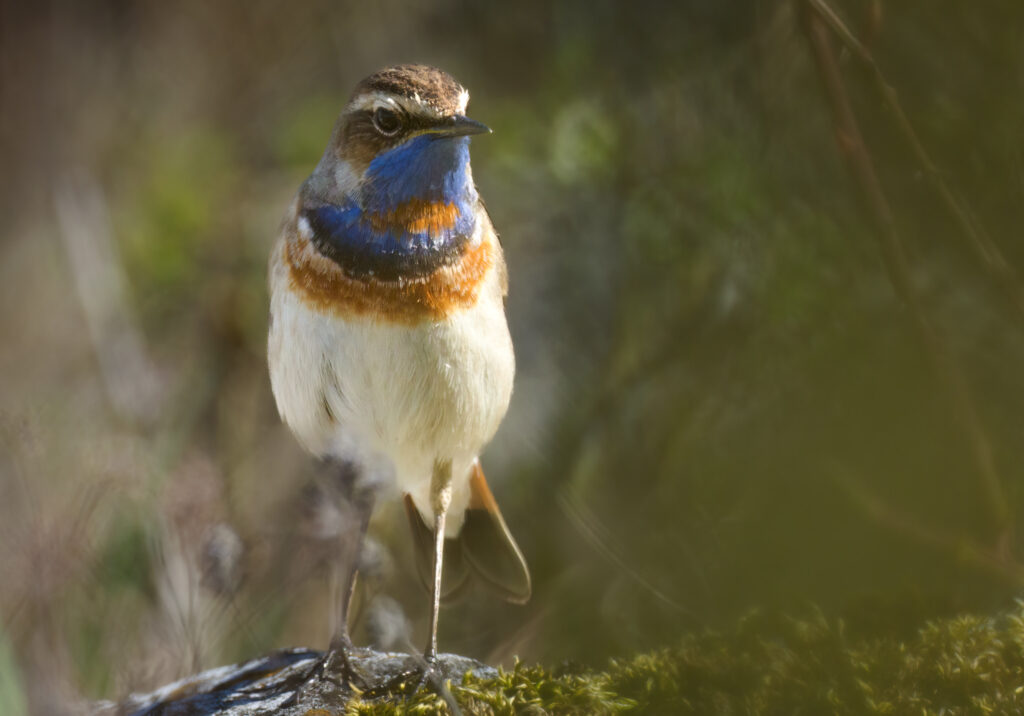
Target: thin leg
441	500
356	504
427	672
361	505
431	652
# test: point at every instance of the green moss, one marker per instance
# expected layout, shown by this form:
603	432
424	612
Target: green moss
770	664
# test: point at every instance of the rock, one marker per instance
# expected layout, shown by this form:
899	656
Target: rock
282	683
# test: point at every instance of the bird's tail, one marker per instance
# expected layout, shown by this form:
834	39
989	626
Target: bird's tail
484	548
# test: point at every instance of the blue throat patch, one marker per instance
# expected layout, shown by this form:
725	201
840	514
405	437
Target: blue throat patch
371	236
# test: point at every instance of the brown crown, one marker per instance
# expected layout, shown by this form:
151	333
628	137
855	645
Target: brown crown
433	86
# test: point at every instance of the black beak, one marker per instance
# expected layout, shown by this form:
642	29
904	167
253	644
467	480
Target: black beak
459	126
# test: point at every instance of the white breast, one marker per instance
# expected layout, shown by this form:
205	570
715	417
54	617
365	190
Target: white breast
359	388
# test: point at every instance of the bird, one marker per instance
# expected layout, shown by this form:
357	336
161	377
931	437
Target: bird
388	341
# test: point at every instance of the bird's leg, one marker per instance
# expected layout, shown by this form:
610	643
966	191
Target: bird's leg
360	503
441	503
426	672
357	507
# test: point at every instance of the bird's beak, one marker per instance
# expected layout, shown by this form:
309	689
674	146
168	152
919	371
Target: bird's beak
459	126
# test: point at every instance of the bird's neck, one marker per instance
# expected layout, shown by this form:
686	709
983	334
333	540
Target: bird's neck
414	211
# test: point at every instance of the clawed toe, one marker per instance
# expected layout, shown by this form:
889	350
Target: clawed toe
408	682
334	667
338	669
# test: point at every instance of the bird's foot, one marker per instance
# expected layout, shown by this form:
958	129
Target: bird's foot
339	669
424	672
335	667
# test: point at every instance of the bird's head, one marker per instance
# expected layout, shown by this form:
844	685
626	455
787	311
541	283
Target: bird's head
403	137
393	194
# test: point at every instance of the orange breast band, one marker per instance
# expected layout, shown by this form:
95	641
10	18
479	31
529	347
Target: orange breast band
416	216
323	285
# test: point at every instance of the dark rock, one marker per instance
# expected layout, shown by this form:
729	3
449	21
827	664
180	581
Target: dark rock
286	683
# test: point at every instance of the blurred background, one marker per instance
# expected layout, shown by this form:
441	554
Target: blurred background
740	385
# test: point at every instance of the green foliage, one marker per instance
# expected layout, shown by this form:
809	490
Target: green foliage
771	664
299	140
124	562
177	210
12	700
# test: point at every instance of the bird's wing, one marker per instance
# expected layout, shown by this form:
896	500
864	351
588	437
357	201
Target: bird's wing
483	548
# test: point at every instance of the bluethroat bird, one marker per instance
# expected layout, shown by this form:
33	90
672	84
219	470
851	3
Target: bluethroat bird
388	340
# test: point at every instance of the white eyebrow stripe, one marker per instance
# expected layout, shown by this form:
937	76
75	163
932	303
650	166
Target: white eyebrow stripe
372	100
413	105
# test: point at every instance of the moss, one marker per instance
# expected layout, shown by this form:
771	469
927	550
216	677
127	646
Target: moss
771	664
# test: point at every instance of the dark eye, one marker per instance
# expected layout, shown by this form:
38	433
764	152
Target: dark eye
386	121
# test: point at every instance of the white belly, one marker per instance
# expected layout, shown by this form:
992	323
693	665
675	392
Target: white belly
357	388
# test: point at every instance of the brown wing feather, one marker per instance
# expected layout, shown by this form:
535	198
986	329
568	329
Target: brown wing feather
488	546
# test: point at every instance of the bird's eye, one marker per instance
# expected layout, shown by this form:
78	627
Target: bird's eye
386	121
